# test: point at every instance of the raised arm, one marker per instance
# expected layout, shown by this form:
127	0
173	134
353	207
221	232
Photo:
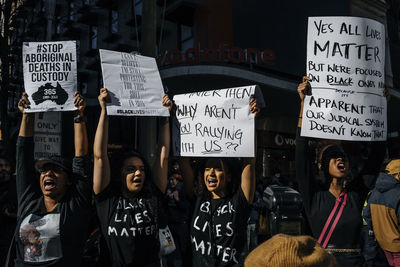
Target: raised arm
101	169
26	180
164	141
248	181
28	119
304	173
303	89
80	134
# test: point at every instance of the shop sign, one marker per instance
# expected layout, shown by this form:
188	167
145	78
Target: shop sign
223	53
276	139
281	140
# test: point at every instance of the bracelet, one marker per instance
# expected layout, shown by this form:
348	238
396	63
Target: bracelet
79	119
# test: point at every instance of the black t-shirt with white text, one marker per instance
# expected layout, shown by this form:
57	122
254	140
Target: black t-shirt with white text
129	227
218	230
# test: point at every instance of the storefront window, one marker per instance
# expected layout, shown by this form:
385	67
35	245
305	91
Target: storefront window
276	152
113	21
186	37
278	166
138	7
93	37
71	12
58	26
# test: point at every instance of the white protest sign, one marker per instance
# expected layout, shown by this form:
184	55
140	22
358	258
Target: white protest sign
47	134
345	61
134	84
50	76
215	123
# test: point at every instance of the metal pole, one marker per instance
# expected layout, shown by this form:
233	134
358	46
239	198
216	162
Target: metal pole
147	126
149	28
50	10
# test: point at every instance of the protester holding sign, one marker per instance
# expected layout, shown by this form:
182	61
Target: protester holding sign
333	211
54	208
130	214
219	223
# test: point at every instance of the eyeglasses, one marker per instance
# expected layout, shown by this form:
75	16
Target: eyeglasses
51	167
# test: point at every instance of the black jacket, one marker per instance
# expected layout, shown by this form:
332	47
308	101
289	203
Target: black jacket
383	212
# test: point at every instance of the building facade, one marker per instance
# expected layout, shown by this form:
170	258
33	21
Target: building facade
203	45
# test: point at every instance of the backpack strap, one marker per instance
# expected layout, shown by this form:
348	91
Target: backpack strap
334	216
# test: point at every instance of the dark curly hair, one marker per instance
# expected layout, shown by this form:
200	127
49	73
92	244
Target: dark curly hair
230	167
117	162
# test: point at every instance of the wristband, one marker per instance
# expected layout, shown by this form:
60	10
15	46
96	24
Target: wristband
79	119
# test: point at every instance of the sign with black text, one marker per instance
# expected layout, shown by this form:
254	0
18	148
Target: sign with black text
215	123
134	84
50	75
47	134
345	62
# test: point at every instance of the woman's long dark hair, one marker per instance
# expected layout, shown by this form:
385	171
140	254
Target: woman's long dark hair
117	162
148	191
231	167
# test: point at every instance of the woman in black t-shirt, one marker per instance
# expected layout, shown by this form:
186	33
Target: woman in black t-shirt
340	199
129	215
219	224
54	208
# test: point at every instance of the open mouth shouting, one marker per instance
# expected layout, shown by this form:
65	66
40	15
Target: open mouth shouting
137	180
341	166
49	183
212	181
135	183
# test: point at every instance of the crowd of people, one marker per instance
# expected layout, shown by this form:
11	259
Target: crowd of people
110	209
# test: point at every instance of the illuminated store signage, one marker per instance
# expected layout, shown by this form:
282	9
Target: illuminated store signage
223	53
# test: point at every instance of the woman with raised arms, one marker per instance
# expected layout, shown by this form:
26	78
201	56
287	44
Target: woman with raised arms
129	213
54	202
334	209
219	223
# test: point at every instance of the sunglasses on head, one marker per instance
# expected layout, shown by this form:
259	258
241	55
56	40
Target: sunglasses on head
51	167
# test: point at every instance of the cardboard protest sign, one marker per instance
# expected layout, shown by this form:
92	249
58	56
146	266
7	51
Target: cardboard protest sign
47	134
50	76
134	84
215	123
345	61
